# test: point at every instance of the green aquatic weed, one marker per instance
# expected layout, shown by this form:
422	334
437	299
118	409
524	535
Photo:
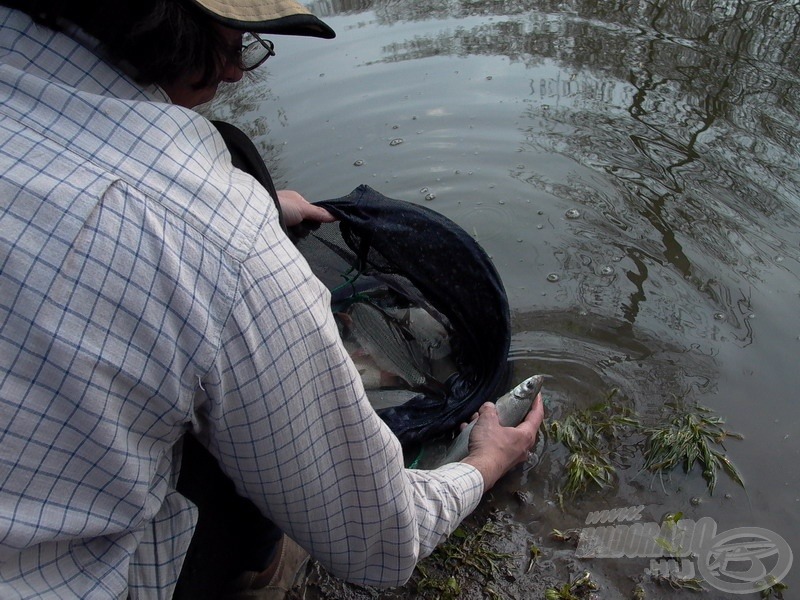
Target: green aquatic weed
535	553
570	535
689	437
465	552
694	584
581	587
667	542
775	588
443	588
587	467
591	436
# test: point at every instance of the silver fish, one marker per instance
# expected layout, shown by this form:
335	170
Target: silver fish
387	398
381	337
511	410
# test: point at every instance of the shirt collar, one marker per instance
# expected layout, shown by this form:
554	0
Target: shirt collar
72	58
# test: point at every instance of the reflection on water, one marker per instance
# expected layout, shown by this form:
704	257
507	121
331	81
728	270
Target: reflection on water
645	153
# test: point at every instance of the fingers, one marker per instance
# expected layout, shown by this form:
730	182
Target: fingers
296	210
535	415
533	420
486	407
317	213
495	449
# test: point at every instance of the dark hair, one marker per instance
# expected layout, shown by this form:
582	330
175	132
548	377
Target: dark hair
163	40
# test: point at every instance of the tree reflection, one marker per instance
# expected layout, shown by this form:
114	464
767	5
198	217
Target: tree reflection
757	50
690	107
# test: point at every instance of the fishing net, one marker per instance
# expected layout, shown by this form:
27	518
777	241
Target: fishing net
420	308
419	304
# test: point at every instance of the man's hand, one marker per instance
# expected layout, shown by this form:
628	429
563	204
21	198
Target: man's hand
493	449
297	209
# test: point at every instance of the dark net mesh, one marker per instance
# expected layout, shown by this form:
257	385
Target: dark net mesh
420	308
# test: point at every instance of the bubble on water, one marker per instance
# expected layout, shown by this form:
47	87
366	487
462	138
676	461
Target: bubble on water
695	500
430	197
358	163
751	316
573	213
395	126
540	227
539	212
719	316
553	277
396	142
519	240
457	172
607	270
423	190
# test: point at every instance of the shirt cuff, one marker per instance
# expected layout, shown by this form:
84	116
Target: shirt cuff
468	479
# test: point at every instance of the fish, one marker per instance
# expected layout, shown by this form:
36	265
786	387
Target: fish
511	410
391	346
386	397
430	339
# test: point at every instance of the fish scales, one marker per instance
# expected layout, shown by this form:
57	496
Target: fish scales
380	336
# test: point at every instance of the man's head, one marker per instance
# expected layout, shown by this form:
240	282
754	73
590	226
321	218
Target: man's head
238	53
186	46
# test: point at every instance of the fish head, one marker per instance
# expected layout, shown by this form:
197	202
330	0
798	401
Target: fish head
530	387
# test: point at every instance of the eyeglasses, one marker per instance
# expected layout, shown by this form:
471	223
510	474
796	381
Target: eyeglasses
254	51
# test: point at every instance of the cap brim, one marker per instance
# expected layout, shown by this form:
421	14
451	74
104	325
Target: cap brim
280	17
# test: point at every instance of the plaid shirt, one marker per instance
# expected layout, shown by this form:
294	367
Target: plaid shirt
147	289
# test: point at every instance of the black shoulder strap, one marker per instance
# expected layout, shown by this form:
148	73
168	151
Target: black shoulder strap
245	156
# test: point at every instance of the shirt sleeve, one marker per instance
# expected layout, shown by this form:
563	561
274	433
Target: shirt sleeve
286	415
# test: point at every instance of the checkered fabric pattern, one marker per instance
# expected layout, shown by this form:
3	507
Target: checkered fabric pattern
146	289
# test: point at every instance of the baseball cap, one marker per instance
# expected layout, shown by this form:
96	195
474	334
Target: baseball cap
285	17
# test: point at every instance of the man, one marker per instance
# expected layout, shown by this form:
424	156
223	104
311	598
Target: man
147	290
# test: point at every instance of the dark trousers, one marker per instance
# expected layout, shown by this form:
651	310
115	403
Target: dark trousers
231	536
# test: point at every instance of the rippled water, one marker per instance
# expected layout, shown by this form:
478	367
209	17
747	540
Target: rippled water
631	167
